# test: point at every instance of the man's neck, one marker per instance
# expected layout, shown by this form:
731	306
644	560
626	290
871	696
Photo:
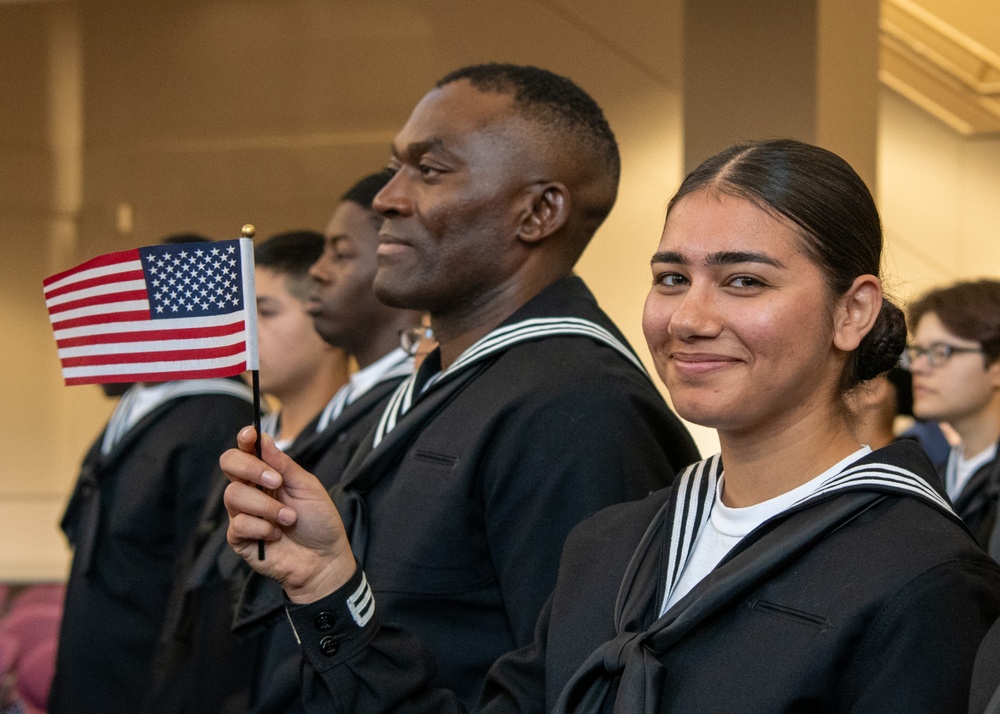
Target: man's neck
457	330
979	432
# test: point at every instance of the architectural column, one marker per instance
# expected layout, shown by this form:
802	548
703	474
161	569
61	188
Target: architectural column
804	69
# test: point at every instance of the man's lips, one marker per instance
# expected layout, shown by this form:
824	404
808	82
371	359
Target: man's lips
314	305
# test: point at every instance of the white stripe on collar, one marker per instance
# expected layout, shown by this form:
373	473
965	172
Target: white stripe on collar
496	341
696	492
392	365
140	400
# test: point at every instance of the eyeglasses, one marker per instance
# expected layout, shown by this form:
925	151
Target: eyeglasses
937	354
410	339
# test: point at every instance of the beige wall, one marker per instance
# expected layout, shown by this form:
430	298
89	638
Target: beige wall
207	114
938	193
201	115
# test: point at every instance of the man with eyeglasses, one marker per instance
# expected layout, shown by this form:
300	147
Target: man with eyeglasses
955	362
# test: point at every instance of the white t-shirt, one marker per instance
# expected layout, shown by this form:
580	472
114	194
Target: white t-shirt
393	364
728	526
959	469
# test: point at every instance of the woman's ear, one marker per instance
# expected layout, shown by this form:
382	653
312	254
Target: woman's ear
547	211
856	313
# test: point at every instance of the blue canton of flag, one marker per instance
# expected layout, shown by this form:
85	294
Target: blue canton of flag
193	280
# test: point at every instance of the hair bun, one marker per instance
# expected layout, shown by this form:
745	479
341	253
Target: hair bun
880	349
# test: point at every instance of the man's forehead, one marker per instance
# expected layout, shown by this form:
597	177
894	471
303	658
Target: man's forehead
448	113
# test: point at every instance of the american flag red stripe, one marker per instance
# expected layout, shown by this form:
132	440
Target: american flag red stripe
150	356
189	313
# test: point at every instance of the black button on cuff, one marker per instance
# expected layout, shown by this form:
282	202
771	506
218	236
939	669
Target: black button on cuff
324	621
328	646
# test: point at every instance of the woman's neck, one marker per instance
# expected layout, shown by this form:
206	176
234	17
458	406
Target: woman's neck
761	466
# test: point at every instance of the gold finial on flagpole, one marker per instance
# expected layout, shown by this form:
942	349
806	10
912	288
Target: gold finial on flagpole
249	231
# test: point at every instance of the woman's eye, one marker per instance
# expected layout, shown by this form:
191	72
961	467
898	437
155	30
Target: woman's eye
745	281
671	280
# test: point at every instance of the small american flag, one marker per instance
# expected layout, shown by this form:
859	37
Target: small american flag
181	311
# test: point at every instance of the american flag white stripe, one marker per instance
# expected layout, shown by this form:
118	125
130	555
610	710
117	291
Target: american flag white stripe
115	328
154	371
113	264
96	290
161	346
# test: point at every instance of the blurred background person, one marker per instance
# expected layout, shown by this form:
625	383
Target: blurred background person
297	368
876	404
954	357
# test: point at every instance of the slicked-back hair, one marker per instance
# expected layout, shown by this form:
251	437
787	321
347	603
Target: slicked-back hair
967	309
291	254
551	100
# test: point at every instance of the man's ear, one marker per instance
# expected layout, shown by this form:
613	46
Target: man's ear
547	211
856	313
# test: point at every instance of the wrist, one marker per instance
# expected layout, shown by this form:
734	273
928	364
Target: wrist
323	580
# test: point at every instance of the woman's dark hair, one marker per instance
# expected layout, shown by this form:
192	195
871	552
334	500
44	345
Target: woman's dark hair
821	194
968	309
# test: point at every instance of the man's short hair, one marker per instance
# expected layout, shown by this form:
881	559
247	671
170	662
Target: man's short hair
364	191
291	254
552	101
968	309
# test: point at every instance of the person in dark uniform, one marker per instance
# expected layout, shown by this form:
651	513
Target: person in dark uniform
532	413
795	571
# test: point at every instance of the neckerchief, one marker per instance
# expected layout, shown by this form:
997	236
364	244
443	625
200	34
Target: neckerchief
632	655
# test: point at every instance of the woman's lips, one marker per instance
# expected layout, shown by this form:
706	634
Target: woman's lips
701	362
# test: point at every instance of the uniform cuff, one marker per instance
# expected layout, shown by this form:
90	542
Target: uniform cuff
333	628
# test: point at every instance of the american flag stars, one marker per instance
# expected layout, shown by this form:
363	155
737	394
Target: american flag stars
200	281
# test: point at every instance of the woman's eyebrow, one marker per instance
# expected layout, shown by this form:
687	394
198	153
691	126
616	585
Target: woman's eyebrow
733	257
727	257
668	256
